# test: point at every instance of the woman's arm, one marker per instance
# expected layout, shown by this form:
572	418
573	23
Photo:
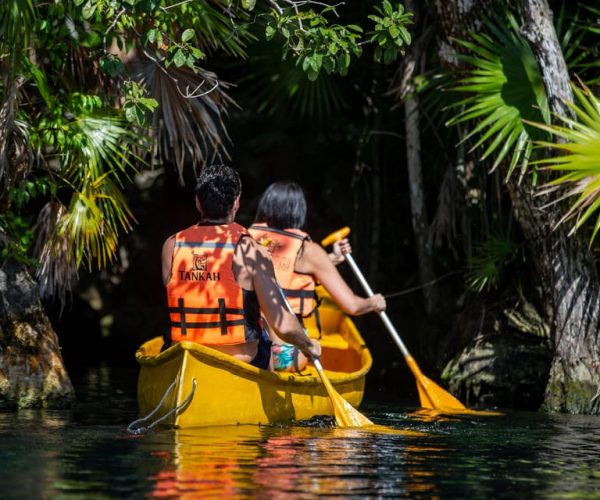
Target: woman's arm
314	260
340	248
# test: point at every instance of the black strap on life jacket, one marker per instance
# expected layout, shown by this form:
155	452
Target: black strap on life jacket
315	311
222	311
279	231
302	295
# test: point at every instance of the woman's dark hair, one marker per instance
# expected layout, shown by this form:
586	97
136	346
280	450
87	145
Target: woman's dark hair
217	188
282	206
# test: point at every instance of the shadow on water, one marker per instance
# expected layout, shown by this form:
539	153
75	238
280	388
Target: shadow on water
85	452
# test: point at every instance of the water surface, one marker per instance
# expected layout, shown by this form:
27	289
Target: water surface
86	452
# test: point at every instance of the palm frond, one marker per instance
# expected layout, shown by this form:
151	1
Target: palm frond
216	28
102	149
487	267
504	87
56	272
189	121
98	153
578	158
16	24
435	99
578	41
280	87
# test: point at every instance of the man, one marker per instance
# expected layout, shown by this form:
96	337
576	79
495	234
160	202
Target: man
217	277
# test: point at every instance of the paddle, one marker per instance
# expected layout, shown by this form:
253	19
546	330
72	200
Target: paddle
431	395
345	414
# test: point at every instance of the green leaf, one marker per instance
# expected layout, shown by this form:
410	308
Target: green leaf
91	39
405	35
111	65
179	58
328	65
130	114
248	4
149	103
152	35
312	74
387	8
197	53
88	10
187	35
306	63
354	27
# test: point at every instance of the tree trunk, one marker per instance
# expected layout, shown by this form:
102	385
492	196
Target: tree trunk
539	31
571	298
376	221
415	179
564	263
417	202
457	18
32	372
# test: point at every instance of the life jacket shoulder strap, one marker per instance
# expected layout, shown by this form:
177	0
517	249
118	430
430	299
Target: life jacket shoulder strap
283	232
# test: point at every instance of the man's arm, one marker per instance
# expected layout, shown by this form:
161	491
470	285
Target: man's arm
272	301
167	258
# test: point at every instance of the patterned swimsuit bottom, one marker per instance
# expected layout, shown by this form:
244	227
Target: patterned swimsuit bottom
285	356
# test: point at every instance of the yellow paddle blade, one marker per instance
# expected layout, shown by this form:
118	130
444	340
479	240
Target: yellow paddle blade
427	414
431	395
345	414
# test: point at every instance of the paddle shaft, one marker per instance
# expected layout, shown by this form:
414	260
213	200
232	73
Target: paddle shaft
317	364
430	394
384	317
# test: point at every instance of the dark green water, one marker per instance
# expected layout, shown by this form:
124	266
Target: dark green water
85	452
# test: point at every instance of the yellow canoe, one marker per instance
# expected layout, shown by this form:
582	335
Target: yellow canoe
212	388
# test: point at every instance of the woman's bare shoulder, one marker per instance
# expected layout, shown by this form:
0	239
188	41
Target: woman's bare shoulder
312	258
249	250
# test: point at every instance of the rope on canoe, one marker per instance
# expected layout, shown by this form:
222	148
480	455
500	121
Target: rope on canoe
136	426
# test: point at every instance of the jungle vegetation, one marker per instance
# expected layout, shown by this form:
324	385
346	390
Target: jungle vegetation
469	135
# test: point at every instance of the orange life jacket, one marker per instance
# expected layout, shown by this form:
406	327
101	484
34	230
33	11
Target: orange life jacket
284	246
205	302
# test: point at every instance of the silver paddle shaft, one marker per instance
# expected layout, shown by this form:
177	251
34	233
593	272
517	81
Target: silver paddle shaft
317	364
382	314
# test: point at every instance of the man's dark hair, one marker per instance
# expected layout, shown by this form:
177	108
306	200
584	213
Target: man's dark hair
282	206
217	188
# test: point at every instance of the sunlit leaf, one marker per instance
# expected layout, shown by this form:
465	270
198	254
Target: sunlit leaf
505	87
578	158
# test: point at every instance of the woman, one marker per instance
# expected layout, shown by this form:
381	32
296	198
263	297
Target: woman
299	263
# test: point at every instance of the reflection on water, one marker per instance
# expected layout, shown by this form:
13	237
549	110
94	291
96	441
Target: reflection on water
85	452
277	462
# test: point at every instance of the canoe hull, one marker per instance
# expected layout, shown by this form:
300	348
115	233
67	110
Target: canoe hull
228	391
